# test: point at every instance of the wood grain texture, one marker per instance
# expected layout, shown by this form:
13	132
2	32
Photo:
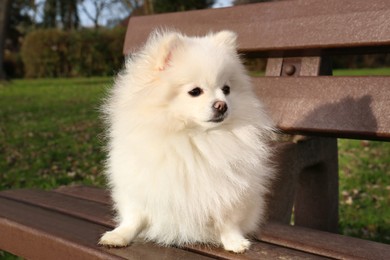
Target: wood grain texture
351	107
80	232
324	243
87	209
86	192
34	232
74	236
276	28
302	239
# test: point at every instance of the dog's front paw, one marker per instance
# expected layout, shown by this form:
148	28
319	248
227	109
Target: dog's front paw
236	243
113	239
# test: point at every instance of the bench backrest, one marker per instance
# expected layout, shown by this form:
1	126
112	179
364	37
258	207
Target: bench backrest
298	37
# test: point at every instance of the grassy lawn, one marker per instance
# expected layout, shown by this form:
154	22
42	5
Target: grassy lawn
50	135
365	189
362	72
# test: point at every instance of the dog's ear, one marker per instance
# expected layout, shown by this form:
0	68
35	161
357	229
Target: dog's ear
166	45
227	39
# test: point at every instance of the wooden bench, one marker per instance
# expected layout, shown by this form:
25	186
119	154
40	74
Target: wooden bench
298	39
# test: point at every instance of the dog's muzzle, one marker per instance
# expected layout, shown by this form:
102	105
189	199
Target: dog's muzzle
219	111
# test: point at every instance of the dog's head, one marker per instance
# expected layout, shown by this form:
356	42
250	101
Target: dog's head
200	80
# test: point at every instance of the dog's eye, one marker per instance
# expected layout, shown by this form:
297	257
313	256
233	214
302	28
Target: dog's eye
195	92
226	90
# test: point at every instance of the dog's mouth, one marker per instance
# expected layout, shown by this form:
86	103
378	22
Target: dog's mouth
217	119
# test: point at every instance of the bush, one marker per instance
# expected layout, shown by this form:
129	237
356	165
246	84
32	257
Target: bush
96	53
361	61
54	53
44	53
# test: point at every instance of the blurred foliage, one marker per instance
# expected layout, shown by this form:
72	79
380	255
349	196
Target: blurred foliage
361	61
61	13
19	21
98	51
244	2
44	53
56	53
166	6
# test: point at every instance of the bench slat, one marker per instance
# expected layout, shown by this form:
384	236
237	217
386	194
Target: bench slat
296	25
32	232
86	209
324	243
258	250
53	235
304	239
14	204
75	207
86	192
352	107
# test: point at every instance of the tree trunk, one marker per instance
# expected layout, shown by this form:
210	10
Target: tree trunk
4	15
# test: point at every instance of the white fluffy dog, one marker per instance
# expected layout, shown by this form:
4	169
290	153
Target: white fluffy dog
188	153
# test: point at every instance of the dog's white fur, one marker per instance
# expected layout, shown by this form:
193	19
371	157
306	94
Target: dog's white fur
176	177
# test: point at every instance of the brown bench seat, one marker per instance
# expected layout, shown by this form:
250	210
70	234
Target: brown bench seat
66	223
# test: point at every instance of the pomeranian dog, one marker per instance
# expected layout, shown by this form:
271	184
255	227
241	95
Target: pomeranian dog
188	156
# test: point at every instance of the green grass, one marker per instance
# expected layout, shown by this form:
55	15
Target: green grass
50	135
365	189
362	72
50	132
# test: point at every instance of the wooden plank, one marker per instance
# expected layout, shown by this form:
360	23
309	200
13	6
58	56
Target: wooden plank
66	204
86	192
308	240
279	26
37	233
258	250
351	107
324	243
74	207
152	251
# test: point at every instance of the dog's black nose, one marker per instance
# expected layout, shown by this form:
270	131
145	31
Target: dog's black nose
220	107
